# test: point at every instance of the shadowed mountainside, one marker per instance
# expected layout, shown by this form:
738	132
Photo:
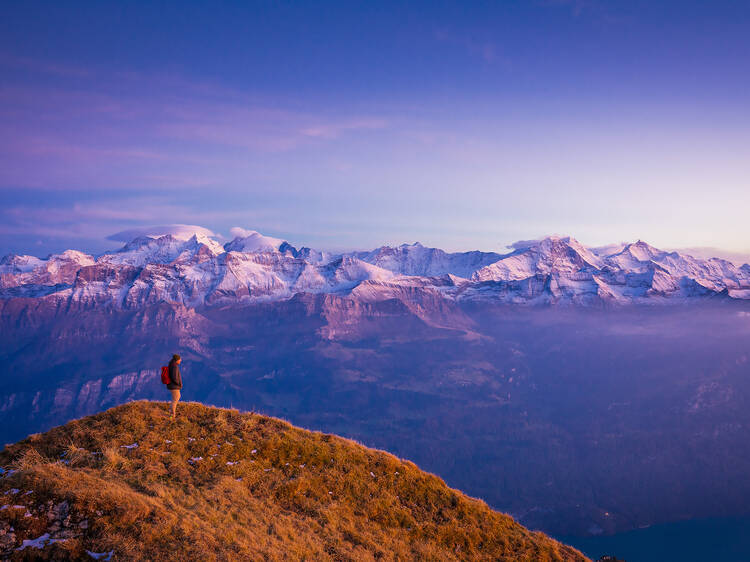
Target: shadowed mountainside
576	421
219	485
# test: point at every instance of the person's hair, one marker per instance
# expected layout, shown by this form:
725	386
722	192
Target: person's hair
175	357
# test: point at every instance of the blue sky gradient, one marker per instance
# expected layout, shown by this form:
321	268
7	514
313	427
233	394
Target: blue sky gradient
464	125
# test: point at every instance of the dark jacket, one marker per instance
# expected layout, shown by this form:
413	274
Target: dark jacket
174	376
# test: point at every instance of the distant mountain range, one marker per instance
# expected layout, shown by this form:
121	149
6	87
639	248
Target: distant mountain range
196	270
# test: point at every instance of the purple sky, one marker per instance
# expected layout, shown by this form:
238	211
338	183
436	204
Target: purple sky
461	125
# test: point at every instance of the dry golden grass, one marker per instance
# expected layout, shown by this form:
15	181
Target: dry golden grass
262	490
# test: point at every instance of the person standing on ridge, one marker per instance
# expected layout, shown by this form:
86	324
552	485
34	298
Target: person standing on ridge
175	382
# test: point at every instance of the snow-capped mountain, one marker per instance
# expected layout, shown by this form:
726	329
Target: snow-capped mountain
255	242
145	250
551	256
31	276
561	269
198	271
416	260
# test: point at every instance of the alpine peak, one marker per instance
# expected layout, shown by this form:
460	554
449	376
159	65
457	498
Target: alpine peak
255	242
196	270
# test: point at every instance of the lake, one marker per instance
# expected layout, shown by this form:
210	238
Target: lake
685	541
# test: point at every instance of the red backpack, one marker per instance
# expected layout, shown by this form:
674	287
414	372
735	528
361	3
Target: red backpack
165	375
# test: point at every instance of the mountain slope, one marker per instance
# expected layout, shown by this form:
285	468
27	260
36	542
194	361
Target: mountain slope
217	484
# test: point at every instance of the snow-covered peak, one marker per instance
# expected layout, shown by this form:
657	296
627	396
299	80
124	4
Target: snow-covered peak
164	249
315	256
608	249
642	251
56	269
589	257
13	263
553	254
73	256
201	240
254	242
416	259
351	269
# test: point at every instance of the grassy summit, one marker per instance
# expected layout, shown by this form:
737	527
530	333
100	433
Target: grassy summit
221	485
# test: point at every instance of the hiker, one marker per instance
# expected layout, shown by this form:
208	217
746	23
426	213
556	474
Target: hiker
175	382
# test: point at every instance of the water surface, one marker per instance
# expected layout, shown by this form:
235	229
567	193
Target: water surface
685	541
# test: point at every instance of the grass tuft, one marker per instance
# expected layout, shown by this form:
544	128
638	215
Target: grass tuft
27	459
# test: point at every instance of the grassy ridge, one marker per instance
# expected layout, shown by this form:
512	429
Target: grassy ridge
220	485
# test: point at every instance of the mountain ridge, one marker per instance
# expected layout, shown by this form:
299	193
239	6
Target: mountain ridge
199	271
218	484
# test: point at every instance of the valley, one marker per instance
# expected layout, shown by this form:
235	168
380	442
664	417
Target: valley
576	421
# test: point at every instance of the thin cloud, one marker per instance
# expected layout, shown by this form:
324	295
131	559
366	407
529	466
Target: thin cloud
577	7
705	252
483	49
176	230
335	130
44	67
97	221
598	11
239	232
261	129
64	137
